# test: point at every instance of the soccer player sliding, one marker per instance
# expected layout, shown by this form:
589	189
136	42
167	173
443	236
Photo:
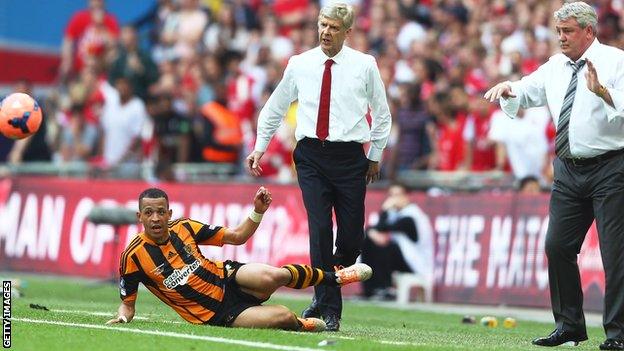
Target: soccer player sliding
165	257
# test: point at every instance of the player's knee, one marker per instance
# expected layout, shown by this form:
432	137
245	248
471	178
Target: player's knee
263	296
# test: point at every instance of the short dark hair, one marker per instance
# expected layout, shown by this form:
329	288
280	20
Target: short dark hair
153	193
523	182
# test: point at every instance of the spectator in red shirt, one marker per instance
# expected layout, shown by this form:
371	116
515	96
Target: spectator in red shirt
480	150
449	155
292	13
90	32
239	85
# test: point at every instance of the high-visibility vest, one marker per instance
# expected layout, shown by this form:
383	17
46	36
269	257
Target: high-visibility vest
227	133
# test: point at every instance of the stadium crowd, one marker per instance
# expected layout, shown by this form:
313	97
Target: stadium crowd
184	83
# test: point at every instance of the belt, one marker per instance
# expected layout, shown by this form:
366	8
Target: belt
331	145
579	162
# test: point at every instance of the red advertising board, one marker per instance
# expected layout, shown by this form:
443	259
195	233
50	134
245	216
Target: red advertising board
489	248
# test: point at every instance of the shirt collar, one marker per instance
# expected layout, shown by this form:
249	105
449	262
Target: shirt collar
590	52
338	58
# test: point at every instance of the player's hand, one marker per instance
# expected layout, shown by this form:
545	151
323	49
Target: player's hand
262	200
372	175
499	90
120	319
593	84
253	163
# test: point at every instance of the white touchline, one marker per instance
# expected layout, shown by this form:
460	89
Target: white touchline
112	315
344	337
262	345
400	343
92	313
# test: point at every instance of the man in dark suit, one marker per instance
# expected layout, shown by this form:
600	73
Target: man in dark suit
336	87
583	87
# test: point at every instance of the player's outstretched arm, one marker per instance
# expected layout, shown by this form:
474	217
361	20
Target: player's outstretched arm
240	234
125	313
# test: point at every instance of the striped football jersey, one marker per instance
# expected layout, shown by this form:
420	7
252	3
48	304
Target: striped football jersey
176	271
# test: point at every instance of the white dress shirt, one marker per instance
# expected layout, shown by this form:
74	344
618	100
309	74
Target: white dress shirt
595	126
121	123
524	138
355	86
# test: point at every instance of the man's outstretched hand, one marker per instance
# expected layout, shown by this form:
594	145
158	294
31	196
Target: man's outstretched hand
500	90
253	163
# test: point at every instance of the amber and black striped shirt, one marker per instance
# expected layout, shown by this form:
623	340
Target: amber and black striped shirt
176	271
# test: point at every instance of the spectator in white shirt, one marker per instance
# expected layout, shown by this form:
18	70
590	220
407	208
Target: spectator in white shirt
583	87
522	141
401	241
123	118
336	87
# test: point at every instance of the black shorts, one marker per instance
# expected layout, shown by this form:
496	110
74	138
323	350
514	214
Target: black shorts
235	301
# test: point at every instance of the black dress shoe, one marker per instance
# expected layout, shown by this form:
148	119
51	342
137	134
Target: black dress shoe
558	337
612	344
311	311
333	323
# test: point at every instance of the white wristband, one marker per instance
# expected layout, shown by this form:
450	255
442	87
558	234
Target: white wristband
255	216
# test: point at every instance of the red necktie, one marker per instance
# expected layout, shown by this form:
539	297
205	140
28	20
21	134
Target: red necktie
322	123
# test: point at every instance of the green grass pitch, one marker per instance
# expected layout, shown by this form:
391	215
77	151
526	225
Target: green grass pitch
79	308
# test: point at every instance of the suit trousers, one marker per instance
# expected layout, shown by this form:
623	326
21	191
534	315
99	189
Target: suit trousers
583	191
332	176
